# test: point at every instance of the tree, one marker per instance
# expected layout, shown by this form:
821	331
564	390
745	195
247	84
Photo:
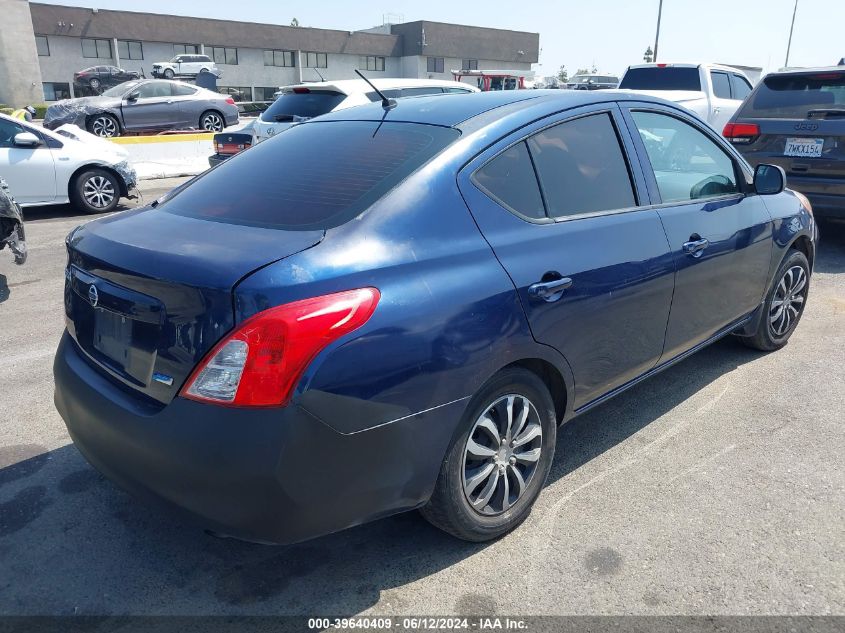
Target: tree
648	55
294	22
563	74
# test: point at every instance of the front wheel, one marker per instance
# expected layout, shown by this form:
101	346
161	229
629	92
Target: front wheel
104	125
211	122
169	74
497	466
95	191
95	84
784	304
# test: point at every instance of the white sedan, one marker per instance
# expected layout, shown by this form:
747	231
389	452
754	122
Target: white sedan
69	165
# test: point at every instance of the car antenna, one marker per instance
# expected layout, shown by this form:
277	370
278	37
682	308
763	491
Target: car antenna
319	74
387	104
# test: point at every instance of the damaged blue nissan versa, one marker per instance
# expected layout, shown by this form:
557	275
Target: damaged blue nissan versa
393	307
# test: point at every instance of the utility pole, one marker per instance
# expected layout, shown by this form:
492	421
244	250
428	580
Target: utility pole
791	28
657	37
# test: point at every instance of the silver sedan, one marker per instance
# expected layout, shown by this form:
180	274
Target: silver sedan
146	106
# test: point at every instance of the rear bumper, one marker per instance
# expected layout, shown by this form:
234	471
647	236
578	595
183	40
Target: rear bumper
827	206
269	475
216	159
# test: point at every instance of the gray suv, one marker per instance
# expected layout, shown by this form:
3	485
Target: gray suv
796	119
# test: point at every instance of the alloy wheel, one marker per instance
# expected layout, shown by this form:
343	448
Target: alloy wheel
98	192
788	300
212	122
104	126
502	454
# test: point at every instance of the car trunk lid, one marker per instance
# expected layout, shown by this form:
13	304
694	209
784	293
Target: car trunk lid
148	293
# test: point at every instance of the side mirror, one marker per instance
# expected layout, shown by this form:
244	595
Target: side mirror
769	179
27	139
133	96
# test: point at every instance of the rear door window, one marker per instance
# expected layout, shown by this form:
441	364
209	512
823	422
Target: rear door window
314	176
687	164
308	105
740	88
510	180
797	96
721	85
581	167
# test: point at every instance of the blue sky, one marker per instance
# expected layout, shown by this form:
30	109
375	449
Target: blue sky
608	33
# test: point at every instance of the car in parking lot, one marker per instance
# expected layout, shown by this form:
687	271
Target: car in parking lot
391	308
185	66
97	78
150	105
227	144
294	104
43	167
592	82
796	119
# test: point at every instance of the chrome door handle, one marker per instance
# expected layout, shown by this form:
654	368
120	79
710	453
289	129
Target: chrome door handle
696	247
549	290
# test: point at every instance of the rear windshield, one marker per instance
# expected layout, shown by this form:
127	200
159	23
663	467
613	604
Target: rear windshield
655	78
314	176
292	105
797	96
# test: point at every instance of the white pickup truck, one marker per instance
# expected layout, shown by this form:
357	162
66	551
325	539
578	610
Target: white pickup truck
711	91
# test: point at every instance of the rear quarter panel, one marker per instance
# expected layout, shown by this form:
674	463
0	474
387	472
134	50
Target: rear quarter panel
448	319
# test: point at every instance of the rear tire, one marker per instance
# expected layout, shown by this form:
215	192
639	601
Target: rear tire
95	191
95	84
488	483
784	304
212	121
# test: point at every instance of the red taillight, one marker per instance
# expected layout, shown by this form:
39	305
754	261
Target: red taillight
301	91
741	132
662	65
260	363
230	101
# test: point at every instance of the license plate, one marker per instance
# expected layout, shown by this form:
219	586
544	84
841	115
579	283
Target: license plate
804	147
112	336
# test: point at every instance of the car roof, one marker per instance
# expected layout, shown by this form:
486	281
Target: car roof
457	109
804	71
359	86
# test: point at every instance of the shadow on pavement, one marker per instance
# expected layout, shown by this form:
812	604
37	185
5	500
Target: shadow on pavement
4	288
831	255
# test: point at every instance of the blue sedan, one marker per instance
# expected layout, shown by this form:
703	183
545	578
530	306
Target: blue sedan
394	308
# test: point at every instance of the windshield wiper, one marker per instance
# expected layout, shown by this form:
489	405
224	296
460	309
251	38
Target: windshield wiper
825	112
283	117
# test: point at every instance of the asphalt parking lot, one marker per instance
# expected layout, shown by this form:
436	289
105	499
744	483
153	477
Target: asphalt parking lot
714	488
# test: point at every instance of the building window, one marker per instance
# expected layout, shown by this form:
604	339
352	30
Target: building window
222	55
238	93
43	45
186	49
436	64
285	59
97	49
316	60
470	64
265	93
372	62
130	50
56	91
